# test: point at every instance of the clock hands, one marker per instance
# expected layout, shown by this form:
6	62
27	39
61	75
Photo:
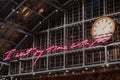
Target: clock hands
103	27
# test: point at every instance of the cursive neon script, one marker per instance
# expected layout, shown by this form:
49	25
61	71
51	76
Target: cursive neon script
37	52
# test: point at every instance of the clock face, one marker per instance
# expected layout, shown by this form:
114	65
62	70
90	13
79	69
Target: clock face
103	27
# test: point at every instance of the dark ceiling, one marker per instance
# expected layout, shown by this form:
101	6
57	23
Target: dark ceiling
20	18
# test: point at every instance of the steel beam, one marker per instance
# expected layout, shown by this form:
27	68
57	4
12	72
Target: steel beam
49	15
54	5
20	42
7	40
64	69
67	2
14	2
40	23
9	15
58	3
21	26
21	31
36	12
4	63
43	20
15	29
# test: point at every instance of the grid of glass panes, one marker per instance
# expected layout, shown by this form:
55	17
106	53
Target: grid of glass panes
43	27
56	20
28	43
116	36
74	34
43	41
41	64
113	53
112	6
87	31
94	56
74	12
55	61
56	38
93	8
60	19
74	59
14	67
26	66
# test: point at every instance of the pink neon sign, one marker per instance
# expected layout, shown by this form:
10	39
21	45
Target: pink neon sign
37	52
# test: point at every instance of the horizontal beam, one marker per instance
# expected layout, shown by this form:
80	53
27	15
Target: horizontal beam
4	63
63	69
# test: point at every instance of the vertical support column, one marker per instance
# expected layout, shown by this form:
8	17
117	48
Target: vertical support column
64	25
11	78
34	43
16	48
100	57
48	34
15	78
72	13
83	25
106	57
93	57
20	67
104	7
9	70
115	53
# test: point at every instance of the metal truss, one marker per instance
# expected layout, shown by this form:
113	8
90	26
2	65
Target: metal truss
7	40
3	25
9	15
83	66
80	22
40	23
13	27
20	42
54	5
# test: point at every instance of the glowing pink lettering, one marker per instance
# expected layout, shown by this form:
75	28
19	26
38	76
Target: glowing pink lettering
37	53
28	51
85	42
103	40
56	48
51	49
8	54
40	52
20	54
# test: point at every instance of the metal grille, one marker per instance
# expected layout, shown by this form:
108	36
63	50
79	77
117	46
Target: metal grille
79	16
